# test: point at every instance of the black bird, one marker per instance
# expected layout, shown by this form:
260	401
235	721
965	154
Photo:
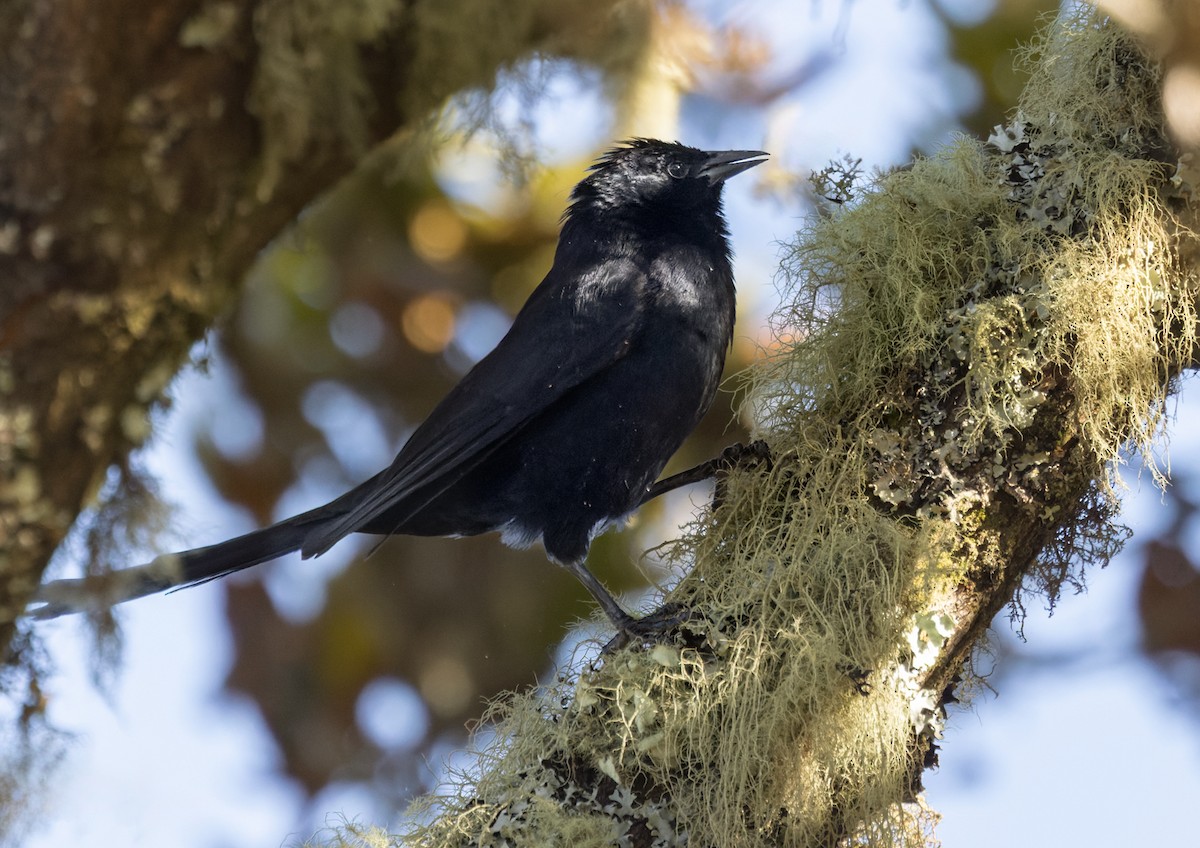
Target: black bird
563	428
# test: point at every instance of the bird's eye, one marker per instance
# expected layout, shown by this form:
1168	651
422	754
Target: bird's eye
677	169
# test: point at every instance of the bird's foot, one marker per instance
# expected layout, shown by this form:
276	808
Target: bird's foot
860	677
755	453
653	627
738	455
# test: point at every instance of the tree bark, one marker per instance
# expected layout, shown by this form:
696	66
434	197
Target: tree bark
149	151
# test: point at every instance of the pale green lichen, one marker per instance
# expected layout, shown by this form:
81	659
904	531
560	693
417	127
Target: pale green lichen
42	240
22	488
96	419
212	26
10	237
977	336
135	423
154	381
309	88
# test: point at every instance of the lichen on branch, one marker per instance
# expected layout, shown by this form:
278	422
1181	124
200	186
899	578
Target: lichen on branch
969	346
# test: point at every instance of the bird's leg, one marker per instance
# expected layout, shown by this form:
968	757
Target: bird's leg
651	627
668	615
734	455
622	620
627	626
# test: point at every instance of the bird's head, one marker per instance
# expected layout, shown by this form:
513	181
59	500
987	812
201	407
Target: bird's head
660	177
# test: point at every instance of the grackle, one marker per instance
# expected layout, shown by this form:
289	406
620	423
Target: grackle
562	430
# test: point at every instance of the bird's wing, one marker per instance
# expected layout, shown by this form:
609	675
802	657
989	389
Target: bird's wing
568	331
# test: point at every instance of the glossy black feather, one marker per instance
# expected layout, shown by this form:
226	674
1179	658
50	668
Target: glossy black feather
566	424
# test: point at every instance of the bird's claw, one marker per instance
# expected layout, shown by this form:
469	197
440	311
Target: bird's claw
650	628
738	455
860	677
754	453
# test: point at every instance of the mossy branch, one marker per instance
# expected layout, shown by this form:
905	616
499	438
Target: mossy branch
150	151
968	348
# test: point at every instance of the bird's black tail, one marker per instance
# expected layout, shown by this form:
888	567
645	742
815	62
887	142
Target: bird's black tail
172	571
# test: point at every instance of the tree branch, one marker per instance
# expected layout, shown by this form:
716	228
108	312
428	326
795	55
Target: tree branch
1010	317
149	152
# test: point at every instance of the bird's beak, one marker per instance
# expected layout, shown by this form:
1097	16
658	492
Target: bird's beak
723	164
